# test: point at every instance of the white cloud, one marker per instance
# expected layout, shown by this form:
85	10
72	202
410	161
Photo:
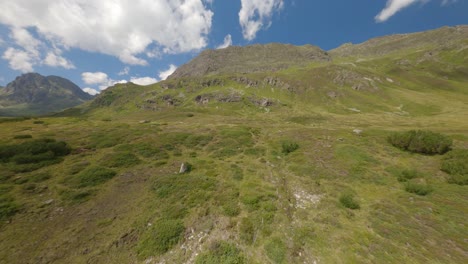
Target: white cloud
19	60
395	6
256	14
143	80
101	79
91	91
126	29
55	60
448	2
164	74
124	71
94	77
227	42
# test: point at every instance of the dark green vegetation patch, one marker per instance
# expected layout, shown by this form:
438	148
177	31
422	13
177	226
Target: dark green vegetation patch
91	176
349	201
34	154
420	141
418	188
456	164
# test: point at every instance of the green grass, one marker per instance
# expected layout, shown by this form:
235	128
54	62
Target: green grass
221	253
161	237
249	199
276	249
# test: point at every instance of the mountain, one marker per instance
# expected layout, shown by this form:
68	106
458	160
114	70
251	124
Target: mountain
34	94
254	58
446	38
257	154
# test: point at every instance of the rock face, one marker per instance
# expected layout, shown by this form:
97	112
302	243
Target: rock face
254	58
33	93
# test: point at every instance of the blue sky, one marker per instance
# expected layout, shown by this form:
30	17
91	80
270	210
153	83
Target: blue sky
99	43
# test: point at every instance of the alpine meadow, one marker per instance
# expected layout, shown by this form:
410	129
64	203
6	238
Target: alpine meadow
267	153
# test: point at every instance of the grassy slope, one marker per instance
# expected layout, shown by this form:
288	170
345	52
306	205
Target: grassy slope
243	189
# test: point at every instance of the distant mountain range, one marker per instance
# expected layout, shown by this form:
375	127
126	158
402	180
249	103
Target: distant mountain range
34	94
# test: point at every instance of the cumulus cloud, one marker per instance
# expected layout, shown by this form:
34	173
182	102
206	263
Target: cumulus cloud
164	74
124	71
143	80
126	29
227	42
394	6
91	91
55	60
94	77
256	14
19	60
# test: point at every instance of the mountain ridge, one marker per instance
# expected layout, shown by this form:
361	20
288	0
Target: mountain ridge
34	94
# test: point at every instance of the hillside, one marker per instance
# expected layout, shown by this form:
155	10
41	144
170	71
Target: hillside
301	163
34	94
254	58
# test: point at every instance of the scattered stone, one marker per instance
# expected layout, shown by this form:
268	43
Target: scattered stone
354	110
144	121
357	131
185	167
49	201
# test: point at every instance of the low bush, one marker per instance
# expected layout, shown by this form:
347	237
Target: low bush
288	147
162	236
348	201
75	196
456	164
40	177
22	136
418	188
120	159
92	176
8	208
407	174
420	141
34	151
221	252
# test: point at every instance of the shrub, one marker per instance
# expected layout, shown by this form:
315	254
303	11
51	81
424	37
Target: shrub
75	196
92	176
348	201
34	151
424	142
221	253
22	136
162	236
417	188
8	208
122	159
288	147
407	174
40	177
456	164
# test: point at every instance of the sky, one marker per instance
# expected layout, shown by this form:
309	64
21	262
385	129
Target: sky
97	44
